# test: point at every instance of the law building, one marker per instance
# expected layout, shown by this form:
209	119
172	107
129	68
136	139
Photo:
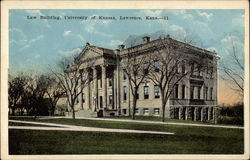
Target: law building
194	98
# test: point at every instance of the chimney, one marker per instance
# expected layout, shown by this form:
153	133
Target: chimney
146	39
121	47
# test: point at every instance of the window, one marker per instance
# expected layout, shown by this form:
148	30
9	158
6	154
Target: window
199	92
135	69
205	93
156	111
211	93
157	65
83	98
145	68
101	83
183	91
124	111
124	93
145	111
124	74
192	92
211	72
146	92
136	111
137	93
110	99
176	87
183	68
110	82
192	68
77	100
177	67
157	91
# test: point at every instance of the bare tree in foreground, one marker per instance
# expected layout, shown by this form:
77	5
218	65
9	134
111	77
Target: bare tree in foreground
169	67
72	77
233	69
54	91
135	65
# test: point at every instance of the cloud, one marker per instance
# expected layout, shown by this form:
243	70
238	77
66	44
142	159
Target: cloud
72	52
212	49
29	42
182	13
115	43
205	14
81	37
238	21
91	28
66	33
38	13
151	12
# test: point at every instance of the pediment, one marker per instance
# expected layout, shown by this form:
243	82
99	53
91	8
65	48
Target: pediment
89	53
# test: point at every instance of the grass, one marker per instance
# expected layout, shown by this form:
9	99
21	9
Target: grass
158	118
27	124
187	140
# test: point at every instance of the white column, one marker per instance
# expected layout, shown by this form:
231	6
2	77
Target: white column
104	86
95	88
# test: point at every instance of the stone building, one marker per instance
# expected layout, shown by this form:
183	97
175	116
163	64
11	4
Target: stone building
193	98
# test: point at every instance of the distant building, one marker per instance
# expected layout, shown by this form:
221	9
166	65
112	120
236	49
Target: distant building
194	98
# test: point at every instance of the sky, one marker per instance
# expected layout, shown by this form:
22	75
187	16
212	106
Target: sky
37	44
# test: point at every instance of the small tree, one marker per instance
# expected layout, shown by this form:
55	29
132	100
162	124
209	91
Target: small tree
233	68
54	91
135	65
72	77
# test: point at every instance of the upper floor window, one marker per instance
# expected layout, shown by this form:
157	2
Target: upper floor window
124	74
205	93
192	92
137	93
145	68
183	68
183	91
211	93
176	93
199	92
110	82
125	93
83	98
157	91
146	92
157	65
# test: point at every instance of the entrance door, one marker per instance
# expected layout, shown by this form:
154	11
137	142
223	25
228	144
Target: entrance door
101	102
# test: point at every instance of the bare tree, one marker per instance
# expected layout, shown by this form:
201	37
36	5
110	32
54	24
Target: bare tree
233	68
135	64
169	67
73	76
54	91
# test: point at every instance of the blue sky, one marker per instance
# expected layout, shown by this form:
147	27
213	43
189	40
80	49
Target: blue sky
36	44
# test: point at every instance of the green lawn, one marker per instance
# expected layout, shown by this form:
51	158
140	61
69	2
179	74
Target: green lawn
27	124
187	140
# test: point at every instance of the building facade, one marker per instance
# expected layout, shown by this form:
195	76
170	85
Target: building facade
193	98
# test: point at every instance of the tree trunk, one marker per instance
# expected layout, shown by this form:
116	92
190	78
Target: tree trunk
163	113
134	108
73	113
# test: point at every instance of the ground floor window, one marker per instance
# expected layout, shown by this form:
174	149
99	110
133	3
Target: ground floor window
110	99
156	111
137	111
145	111
124	111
